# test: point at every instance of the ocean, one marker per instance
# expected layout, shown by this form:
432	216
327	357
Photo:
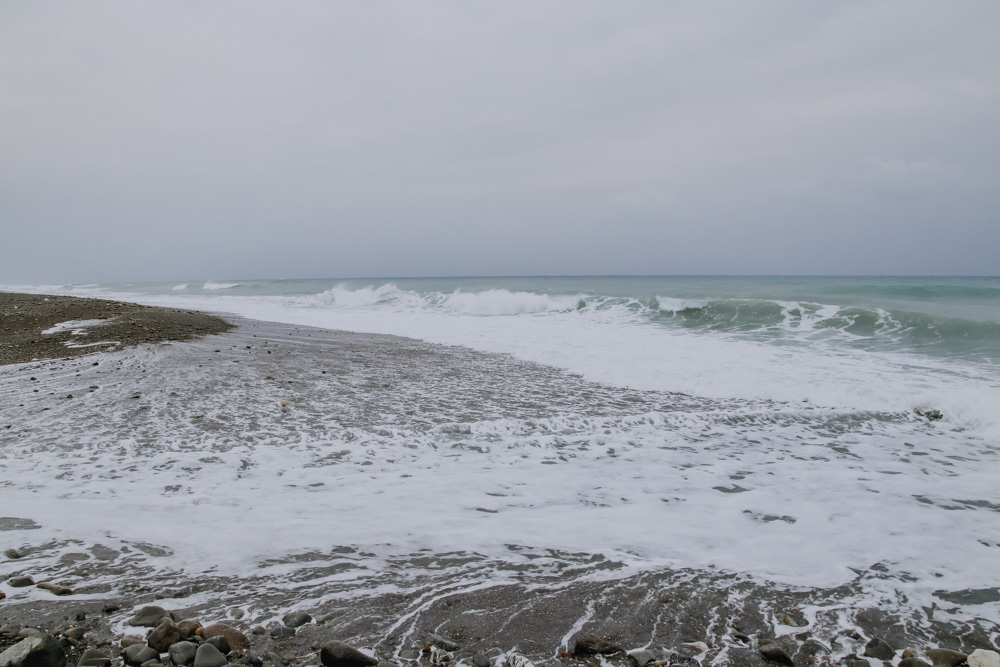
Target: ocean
806	433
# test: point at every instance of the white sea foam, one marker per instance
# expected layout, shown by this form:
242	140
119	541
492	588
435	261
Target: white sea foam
810	446
76	327
217	286
179	287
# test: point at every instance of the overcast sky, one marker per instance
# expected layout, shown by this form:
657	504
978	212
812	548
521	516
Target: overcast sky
146	140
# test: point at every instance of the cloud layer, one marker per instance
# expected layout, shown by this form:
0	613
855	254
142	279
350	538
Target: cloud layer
147	141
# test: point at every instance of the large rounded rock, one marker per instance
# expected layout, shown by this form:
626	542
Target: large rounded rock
879	649
984	658
221	643
37	651
148	617
209	656
182	653
237	640
339	654
136	654
164	635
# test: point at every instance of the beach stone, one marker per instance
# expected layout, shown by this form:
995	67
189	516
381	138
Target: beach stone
164	635
136	654
148	617
386	663
209	656
10	630
259	630
283	631
593	645
41	650
775	653
73	633
236	613
442	642
409	654
855	661
221	643
188	628
182	653
21	582
912	662
13	554
237	640
52	588
296	618
641	658
339	654
745	657
131	640
943	657
93	657
879	649
983	658
479	660
2	595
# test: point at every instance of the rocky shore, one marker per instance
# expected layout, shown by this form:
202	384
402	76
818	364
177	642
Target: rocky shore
86	634
27	322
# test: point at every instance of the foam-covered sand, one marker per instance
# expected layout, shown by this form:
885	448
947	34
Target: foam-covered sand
398	487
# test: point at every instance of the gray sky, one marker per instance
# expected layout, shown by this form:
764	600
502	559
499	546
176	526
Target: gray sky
146	140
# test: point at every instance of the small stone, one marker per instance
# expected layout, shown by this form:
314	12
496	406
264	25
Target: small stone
148	617
879	649
943	657
2	595
288	657
182	653
74	633
41	650
21	582
983	658
10	630
220	643
237	640
325	618
786	619
131	640
641	658
907	653
164	635
855	661
442	642
92	657
188	628
479	660
110	608
775	653
52	588
209	656
409	654
13	554
136	654
339	654
259	630
912	662
691	649
296	619
744	657
592	645
283	631
236	613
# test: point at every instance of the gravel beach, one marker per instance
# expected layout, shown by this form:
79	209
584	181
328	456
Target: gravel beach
123	496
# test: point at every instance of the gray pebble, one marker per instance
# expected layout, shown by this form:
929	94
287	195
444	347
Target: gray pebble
209	656
296	619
